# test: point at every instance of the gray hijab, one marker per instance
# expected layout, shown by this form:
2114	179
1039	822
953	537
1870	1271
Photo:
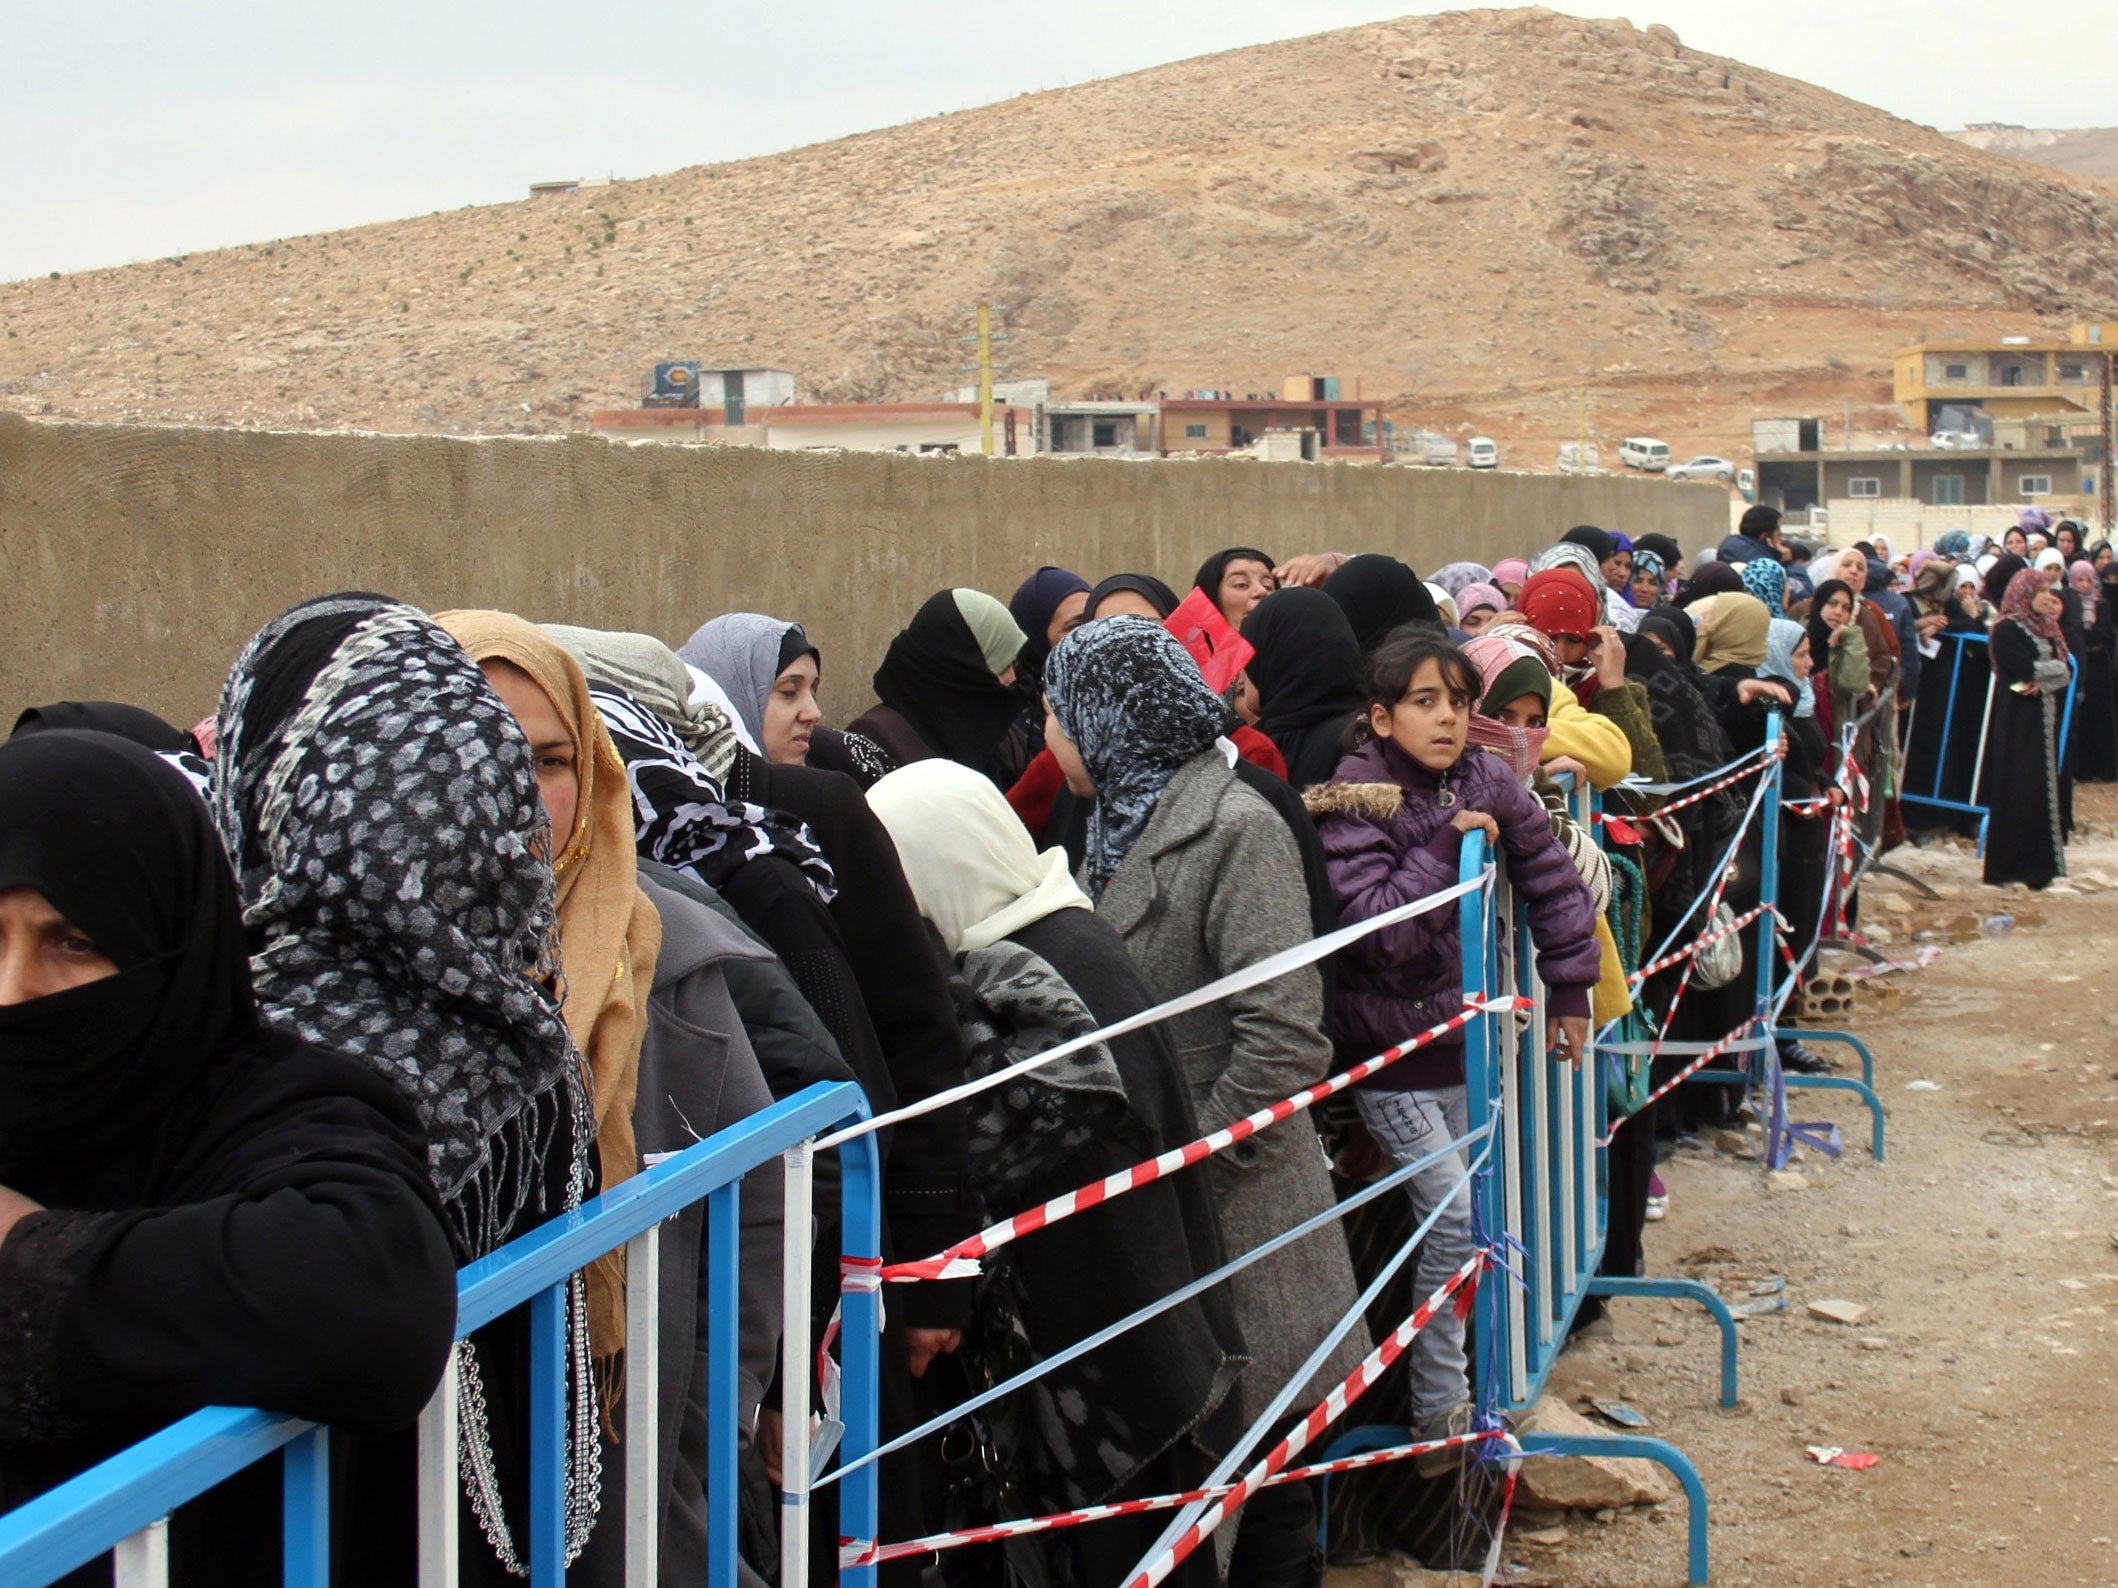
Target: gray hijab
1568	555
641	666
741	652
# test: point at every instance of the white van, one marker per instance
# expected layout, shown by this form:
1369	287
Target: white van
1481	453
1644	452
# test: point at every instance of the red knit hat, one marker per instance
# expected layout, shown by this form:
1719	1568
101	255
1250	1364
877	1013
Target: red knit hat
1559	601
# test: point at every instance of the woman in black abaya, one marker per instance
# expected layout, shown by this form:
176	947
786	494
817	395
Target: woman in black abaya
197	1209
2025	835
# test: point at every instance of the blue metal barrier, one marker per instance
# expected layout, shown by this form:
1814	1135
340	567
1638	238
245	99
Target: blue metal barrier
122	1503
1545	1196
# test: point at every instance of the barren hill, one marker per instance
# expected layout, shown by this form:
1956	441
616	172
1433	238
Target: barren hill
2081	151
1508	220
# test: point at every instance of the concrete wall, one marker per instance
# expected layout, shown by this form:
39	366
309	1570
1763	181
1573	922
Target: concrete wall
138	560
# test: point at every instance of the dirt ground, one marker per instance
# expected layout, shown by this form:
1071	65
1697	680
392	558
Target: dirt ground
1985	1249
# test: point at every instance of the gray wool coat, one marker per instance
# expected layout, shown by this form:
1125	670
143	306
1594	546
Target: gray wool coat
1214	883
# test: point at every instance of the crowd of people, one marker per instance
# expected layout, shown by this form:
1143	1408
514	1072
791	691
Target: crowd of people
441	924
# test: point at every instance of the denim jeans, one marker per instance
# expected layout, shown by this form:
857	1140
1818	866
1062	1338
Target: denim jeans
1408	1126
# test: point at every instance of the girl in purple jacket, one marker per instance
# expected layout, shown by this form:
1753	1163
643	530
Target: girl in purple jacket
1393	819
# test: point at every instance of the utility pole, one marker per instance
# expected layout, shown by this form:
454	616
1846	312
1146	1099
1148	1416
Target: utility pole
985	378
2110	436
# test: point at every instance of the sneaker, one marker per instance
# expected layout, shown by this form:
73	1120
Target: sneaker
1802	1061
1657	1199
1445	1425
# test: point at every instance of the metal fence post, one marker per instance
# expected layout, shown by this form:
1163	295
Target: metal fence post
723	1311
860	1168
438	1513
643	1379
797	1240
305	1505
545	1528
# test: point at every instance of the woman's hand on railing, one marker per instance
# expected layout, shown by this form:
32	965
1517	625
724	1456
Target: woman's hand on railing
1464	821
14	1207
1566	764
924	1345
1752	690
1570	1038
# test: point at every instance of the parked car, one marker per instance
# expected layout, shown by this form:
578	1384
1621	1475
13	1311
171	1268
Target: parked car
1579	458
1703	468
1644	452
1481	453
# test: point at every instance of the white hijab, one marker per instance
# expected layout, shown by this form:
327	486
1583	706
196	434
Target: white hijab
968	857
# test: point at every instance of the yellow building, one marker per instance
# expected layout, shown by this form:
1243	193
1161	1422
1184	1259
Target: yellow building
2010	377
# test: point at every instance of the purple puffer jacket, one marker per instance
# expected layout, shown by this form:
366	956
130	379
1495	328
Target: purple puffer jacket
1388	841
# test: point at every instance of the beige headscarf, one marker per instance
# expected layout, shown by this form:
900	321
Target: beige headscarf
650	672
967	856
609	934
1736	632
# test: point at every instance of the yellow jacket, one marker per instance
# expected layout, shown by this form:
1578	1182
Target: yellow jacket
1598	743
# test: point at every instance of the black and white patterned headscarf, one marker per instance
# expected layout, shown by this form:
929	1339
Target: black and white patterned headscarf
1132	699
684	819
381	805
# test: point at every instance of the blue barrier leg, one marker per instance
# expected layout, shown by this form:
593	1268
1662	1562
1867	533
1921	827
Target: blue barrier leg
723	1307
1659	1451
1369	1436
546	1523
1846	1083
860	1189
1685	1290
306	1511
1851	1041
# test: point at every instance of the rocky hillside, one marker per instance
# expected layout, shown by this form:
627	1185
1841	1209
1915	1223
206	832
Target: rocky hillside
1511	221
2080	151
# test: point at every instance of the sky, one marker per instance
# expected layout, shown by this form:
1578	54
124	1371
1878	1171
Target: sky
135	129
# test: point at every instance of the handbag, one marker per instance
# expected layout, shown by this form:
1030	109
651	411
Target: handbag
1721	961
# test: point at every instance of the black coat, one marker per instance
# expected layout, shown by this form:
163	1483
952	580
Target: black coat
2025	837
291	1256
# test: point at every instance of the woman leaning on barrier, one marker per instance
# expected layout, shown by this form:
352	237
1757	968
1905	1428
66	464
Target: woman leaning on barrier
649	1007
1201	878
382	810
199	1208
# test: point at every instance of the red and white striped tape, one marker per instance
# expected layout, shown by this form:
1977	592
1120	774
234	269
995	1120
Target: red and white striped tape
856	1552
1321	1416
1743	770
961	1261
1690	949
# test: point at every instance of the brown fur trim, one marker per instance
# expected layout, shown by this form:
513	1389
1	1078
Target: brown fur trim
1376	801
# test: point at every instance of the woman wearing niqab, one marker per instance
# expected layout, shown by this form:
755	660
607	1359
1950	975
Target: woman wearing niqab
200	1208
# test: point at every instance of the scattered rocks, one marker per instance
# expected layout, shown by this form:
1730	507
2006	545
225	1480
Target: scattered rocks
1585	1483
1846	1312
1787	1180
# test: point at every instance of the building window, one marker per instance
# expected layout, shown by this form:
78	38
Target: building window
1948	490
1194	432
2073	374
1106	433
2011	374
1956	372
1864	485
2036	485
2054	436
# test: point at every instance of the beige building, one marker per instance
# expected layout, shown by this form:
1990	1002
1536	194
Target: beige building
937	427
